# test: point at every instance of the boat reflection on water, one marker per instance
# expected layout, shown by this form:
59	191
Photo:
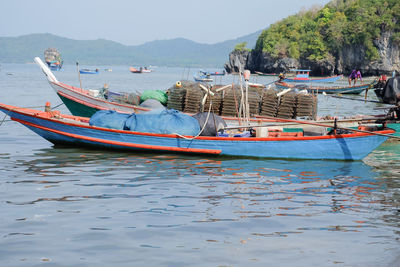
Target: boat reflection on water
269	211
290	187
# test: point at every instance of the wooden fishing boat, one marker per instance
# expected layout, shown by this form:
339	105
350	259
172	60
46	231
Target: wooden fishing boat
267	74
303	76
213	73
146	70
135	70
55	65
84	102
88	71
140	70
203	78
53	59
75	131
325	89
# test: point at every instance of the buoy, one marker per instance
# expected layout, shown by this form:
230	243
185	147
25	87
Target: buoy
178	84
246	75
47	107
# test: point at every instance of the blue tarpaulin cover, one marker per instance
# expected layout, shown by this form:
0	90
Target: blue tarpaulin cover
109	119
158	121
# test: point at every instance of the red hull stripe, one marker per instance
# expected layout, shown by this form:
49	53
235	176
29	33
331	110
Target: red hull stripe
117	143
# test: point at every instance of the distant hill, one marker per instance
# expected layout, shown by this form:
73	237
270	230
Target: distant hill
173	52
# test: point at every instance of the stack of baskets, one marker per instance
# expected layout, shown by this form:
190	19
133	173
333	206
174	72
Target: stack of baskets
188	96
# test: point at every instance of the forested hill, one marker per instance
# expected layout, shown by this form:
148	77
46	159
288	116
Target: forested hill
335	38
173	52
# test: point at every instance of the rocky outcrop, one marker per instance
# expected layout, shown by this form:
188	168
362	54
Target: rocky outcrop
237	60
343	62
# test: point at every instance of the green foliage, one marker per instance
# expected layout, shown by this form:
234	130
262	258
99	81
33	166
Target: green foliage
316	35
396	38
241	47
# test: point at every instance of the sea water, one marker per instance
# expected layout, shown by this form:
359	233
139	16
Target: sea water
64	206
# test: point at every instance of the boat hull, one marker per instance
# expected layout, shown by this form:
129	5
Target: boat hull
75	133
324	89
313	80
396	127
88	72
80	103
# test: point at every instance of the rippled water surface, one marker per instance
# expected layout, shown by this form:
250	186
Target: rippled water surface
77	207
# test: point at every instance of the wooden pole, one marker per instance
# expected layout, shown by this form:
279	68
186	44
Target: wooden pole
79	75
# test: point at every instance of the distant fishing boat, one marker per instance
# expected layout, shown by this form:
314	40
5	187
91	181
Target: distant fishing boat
140	70
326	89
266	74
53	59
304	77
201	77
146	70
213	73
76	131
88	71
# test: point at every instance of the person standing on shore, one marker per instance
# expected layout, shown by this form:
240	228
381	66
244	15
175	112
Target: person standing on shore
358	76
355	74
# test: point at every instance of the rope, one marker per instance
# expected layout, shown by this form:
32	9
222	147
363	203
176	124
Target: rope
5	116
204	126
57	106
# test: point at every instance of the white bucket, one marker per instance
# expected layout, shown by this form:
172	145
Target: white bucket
262	132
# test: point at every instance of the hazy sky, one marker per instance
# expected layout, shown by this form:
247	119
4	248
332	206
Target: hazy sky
133	22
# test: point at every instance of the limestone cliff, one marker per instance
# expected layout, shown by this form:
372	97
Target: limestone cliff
345	60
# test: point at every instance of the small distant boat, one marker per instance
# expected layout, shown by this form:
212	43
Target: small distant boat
108	70
304	77
326	89
201	77
140	70
53	59
266	74
88	71
213	73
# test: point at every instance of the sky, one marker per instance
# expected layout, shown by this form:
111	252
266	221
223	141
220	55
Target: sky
132	22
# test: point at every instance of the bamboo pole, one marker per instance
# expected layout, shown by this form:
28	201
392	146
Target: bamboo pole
79	75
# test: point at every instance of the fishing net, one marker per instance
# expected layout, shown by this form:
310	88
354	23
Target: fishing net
159	95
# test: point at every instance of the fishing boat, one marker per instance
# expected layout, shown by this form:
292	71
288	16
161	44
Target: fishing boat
266	74
76	131
140	70
146	70
86	102
53	59
88	71
201	77
326	89
304	77
213	73
135	70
